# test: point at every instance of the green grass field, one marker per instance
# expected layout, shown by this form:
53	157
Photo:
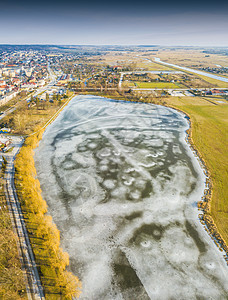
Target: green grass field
209	133
159	85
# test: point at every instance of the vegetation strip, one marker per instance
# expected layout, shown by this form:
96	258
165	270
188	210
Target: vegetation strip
44	236
33	285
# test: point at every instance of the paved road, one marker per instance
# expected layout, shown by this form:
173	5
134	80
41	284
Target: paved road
121	79
7	111
33	285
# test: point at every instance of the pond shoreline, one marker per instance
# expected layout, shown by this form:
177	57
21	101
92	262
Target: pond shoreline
35	212
191	213
204	203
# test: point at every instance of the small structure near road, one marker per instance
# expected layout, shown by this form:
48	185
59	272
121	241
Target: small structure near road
5	143
5	130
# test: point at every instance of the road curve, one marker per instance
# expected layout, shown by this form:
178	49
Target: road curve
33	284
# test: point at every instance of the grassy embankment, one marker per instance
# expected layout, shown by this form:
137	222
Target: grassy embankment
209	135
214	82
44	236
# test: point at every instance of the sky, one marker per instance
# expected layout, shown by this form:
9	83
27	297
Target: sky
68	22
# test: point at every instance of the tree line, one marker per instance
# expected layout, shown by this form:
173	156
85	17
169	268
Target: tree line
52	261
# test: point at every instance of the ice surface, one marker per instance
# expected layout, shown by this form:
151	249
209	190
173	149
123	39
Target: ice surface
122	187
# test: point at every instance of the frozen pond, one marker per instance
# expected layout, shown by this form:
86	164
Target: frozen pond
122	186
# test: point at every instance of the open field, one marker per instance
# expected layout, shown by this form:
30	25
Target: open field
159	85
117	58
209	133
190	58
131	59
152	66
183	57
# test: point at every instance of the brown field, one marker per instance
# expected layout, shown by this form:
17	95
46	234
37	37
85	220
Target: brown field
190	58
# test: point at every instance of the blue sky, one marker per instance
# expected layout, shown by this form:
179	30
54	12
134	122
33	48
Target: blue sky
190	23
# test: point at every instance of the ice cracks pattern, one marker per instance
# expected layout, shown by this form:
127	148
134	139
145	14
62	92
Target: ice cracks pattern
122	187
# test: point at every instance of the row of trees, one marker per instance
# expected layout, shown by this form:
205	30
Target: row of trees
44	235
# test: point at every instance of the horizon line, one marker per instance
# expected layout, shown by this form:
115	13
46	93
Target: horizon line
119	45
